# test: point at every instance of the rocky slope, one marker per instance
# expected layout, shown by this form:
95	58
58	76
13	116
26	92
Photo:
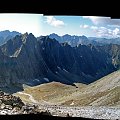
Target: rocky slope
12	105
103	92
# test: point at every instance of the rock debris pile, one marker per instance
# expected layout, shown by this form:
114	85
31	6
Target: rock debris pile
11	105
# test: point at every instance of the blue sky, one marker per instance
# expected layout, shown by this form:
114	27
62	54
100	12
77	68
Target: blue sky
38	24
71	25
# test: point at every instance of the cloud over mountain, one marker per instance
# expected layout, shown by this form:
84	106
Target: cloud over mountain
106	32
54	22
103	20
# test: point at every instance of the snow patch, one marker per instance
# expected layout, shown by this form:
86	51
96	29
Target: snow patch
65	70
46	79
58	67
17	51
36	80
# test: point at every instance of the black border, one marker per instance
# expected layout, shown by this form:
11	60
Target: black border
62	7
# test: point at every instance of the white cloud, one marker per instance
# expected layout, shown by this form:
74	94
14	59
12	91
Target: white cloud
116	31
84	26
94	27
103	20
51	20
105	32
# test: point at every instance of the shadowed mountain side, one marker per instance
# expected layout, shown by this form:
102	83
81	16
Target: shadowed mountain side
31	61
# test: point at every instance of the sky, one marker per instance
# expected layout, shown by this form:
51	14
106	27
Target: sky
21	22
38	24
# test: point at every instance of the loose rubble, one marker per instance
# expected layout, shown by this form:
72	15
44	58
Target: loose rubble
11	105
102	112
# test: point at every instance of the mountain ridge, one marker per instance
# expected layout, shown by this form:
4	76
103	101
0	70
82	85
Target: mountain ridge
29	60
75	40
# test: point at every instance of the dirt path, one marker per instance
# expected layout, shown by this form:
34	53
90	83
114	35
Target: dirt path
31	98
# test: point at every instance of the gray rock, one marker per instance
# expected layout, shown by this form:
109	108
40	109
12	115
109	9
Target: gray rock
2	106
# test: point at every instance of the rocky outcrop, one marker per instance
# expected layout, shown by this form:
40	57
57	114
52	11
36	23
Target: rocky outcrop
10	105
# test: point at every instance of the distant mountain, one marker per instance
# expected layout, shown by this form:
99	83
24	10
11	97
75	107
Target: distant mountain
72	40
104	41
76	40
26	59
6	35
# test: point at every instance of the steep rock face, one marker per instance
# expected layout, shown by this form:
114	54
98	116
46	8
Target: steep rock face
26	59
87	62
113	52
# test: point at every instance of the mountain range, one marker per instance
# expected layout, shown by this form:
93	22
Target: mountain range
25	59
72	40
75	40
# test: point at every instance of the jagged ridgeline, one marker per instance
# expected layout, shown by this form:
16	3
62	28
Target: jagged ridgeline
25	59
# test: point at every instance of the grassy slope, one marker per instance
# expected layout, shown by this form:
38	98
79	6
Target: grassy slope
50	92
105	91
